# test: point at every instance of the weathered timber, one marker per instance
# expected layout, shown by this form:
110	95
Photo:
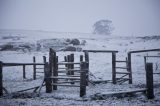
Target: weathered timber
59	77
105	51
149	80
21	64
72	66
47	80
55	84
1	78
24	72
86	54
130	68
148	50
67	63
34	68
83	80
81	58
113	68
55	68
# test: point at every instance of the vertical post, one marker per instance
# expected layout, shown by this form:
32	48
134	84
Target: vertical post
34	68
47	78
1	78
55	72
72	66
114	67
51	60
145	60
69	65
86	54
24	72
83	79
65	60
44	59
149	80
130	68
81	58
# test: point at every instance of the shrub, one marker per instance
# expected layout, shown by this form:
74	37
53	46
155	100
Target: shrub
75	42
7	47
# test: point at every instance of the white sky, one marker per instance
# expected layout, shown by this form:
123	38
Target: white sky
137	17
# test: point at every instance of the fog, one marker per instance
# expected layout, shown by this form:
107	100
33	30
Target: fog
129	17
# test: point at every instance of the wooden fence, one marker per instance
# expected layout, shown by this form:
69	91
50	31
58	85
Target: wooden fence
130	60
69	78
113	52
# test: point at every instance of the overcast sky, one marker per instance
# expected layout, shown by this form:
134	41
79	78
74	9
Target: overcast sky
129	17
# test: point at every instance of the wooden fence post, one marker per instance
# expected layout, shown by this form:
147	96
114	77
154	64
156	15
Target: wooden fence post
55	68
145	61
47	78
114	68
51	60
34	68
149	80
1	78
24	72
72	65
83	79
44	59
130	68
69	65
86	54
65	60
81	58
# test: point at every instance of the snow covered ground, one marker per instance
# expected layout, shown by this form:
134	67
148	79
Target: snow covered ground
100	67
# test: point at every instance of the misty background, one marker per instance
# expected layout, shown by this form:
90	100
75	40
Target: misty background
129	17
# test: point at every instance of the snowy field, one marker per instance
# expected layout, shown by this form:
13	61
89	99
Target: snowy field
100	67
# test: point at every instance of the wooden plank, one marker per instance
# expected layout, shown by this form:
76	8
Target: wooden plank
152	56
39	68
64	71
57	77
70	75
67	85
61	82
148	50
149	80
39	72
124	92
121	61
21	64
122	73
40	87
121	67
67	63
1	78
103	51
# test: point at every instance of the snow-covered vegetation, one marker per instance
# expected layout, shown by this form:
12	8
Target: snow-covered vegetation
21	46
